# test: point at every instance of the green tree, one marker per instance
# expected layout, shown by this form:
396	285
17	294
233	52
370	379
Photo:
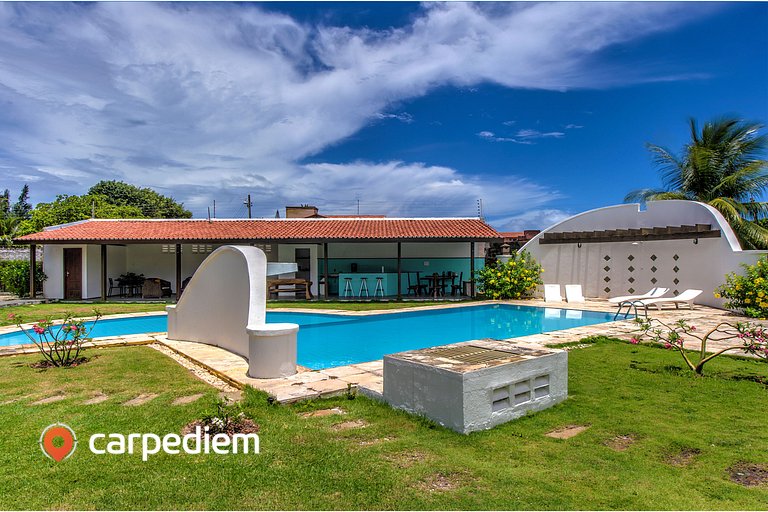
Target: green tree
720	166
5	204
22	208
151	204
74	208
9	229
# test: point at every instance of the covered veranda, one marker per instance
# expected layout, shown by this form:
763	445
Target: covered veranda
394	258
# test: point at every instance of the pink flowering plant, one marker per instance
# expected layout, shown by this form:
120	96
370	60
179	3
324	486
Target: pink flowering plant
744	336
60	343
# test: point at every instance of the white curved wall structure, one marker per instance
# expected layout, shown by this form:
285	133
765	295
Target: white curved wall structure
609	269
225	305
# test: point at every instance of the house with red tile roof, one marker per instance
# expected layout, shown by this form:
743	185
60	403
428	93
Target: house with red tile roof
336	254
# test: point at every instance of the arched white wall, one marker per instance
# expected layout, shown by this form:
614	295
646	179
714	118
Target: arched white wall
226	295
621	268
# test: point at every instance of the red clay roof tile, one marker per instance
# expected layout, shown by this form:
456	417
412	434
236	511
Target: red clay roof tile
99	230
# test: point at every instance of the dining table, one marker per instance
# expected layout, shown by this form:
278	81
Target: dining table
437	282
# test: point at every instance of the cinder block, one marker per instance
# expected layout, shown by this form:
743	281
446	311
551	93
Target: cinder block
476	385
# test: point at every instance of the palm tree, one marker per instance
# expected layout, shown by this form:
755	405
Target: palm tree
9	227
721	166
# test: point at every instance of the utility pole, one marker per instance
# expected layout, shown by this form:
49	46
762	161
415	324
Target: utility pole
248	203
358	206
214	208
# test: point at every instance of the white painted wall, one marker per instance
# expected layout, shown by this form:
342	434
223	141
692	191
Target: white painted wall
286	253
116	263
53	266
226	295
150	260
623	268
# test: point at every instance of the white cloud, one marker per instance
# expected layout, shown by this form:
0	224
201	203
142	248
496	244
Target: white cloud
534	218
403	117
211	100
573	126
528	134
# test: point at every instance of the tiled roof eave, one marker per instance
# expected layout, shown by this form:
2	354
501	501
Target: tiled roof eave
98	241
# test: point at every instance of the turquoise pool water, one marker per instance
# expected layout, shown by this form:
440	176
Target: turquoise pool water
333	340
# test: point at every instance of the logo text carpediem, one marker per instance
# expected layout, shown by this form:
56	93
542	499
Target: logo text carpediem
197	442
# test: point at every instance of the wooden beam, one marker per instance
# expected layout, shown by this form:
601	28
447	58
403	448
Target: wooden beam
178	272
325	271
32	271
103	272
472	269
399	271
632	235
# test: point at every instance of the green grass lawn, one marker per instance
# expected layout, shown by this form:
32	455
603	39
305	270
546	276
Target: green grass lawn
34	312
350	306
59	309
395	461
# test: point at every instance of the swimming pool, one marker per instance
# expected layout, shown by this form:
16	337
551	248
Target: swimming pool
327	340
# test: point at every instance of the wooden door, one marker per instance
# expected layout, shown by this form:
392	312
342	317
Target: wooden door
73	273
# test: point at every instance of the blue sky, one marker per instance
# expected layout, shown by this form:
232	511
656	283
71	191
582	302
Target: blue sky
542	110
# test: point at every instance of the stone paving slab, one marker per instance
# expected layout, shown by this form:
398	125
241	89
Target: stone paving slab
368	376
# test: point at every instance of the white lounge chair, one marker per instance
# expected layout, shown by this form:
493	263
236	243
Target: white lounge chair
653	293
573	293
552	293
684	298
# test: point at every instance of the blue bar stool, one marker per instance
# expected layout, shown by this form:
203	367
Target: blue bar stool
379	287
363	287
348	291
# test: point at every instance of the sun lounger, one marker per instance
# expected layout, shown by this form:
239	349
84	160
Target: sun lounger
573	293
552	293
653	293
686	297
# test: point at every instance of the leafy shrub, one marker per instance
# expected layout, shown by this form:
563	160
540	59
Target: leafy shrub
14	277
747	293
59	343
515	279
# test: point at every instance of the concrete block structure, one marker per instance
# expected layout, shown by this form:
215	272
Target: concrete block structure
629	249
476	385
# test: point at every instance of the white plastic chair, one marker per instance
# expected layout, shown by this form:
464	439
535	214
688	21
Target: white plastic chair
573	293
552	293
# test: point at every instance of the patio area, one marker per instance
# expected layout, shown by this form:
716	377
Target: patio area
367	377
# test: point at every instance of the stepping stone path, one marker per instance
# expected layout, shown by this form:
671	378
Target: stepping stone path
323	412
96	399
620	443
346	425
232	396
371	442
49	400
440	482
14	400
184	400
141	399
567	432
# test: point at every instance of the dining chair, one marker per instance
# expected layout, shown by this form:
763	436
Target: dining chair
457	287
112	287
418	287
